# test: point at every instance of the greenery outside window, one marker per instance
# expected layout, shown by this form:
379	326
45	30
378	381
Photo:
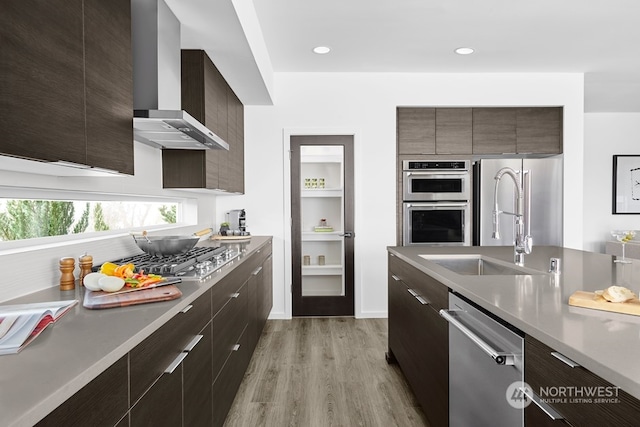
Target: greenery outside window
33	218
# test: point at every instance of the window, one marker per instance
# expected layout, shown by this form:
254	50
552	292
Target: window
32	218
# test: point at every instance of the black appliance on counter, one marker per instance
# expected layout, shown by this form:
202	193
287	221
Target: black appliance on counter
195	265
436	208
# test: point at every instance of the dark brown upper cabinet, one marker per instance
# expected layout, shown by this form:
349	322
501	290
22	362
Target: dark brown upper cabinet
416	127
207	97
454	133
66	87
494	130
539	130
522	130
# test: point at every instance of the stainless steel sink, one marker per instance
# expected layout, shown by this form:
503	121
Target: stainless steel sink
478	265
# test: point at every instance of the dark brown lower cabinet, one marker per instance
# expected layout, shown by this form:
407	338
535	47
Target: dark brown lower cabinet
419	341
161	405
102	402
228	381
197	378
544	371
136	390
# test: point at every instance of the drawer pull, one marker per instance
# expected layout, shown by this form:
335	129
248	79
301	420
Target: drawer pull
187	308
564	359
193	343
235	295
418	296
394	277
176	362
236	347
552	413
256	271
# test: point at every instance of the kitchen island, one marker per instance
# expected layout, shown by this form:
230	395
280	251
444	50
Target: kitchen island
604	343
85	343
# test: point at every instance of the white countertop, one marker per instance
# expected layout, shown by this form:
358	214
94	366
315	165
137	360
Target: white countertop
83	343
608	344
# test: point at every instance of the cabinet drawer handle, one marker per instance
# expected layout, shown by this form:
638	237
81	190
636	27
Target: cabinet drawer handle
193	343
564	359
417	296
235	295
236	347
552	413
176	362
256	271
187	308
394	277
391	254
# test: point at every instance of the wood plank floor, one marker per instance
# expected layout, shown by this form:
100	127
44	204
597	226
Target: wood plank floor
324	372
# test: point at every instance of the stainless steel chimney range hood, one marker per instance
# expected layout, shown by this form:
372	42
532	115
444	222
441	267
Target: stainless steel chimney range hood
158	119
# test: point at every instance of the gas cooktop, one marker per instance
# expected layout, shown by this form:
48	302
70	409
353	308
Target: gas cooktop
196	264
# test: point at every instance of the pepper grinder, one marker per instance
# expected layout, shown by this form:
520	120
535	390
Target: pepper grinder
86	263
67	281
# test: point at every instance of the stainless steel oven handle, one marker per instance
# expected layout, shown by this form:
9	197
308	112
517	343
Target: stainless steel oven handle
500	357
438	204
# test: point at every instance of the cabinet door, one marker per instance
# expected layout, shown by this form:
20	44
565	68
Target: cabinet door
494	130
227	383
416	127
197	380
454	131
102	402
228	325
42	84
265	294
162	404
109	84
150	358
539	130
186	169
419	340
232	172
543	371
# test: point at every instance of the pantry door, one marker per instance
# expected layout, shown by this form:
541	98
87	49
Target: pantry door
322	232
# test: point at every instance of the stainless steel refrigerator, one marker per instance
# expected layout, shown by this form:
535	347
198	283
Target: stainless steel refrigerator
545	176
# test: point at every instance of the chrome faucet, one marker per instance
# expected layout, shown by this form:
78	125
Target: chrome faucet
523	241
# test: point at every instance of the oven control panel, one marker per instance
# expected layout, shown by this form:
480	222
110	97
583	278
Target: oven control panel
435	165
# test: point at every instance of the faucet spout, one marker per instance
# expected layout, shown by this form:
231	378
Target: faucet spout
523	240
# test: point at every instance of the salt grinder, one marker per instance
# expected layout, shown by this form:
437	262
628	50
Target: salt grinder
86	263
67	281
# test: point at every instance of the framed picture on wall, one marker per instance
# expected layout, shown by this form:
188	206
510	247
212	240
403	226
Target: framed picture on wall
626	184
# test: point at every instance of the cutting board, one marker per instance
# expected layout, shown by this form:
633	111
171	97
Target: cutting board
97	300
219	237
591	300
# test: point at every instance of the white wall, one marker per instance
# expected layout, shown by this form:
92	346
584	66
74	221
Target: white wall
606	134
34	268
366	103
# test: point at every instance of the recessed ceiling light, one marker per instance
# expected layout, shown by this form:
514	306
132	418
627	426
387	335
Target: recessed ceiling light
321	50
464	51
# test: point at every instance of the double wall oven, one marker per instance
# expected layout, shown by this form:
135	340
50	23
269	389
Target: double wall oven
435	207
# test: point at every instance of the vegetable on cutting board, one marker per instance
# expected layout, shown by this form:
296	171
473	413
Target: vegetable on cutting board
131	278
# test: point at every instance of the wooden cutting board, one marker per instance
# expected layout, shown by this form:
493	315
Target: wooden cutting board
591	300
97	300
219	237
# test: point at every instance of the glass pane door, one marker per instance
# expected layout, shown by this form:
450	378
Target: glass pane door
322	220
322	225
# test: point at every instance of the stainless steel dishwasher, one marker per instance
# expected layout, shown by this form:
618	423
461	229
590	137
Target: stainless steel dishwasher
486	358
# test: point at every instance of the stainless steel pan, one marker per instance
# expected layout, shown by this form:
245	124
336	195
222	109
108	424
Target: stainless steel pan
168	245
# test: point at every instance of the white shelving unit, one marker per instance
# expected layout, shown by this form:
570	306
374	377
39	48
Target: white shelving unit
322	203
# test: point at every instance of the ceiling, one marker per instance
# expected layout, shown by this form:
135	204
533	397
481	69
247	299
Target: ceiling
250	40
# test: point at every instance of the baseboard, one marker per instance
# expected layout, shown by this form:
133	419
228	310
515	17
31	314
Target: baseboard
372	315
